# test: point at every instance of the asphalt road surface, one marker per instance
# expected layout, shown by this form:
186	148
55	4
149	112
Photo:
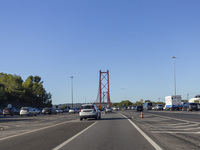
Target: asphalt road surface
115	131
177	130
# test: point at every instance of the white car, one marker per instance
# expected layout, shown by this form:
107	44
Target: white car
89	111
73	111
115	108
27	111
108	110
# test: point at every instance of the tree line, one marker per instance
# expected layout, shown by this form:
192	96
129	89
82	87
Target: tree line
15	91
127	103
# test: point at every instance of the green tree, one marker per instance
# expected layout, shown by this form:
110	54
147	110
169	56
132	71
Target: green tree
147	101
3	97
138	103
31	92
116	104
63	107
126	103
12	84
35	93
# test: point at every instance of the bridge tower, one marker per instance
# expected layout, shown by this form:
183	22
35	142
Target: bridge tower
104	91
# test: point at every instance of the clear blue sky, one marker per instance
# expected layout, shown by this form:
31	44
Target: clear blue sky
133	39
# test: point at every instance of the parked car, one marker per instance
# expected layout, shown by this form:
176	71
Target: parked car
115	108
147	106
198	105
10	111
158	107
49	111
38	111
190	107
133	107
108	110
66	110
46	111
164	108
139	108
73	111
27	111
89	111
59	111
53	111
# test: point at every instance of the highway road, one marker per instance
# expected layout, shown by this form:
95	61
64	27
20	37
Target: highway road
178	130
118	130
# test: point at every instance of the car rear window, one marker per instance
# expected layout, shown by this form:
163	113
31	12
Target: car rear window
87	107
24	108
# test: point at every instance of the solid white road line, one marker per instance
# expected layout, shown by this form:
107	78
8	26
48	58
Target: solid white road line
172	132
171	129
69	140
146	136
187	121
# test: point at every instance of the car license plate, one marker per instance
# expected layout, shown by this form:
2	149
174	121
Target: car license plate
87	111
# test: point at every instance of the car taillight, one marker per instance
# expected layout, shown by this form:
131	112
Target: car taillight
3	110
80	110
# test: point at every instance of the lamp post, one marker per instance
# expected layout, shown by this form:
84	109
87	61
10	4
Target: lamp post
72	89
174	77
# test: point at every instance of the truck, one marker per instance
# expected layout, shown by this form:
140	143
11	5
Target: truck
173	102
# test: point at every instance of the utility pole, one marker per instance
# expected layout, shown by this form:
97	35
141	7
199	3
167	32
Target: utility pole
174	77
72	89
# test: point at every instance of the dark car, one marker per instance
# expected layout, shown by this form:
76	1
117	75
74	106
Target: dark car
139	108
182	104
190	107
10	111
158	107
198	105
49	111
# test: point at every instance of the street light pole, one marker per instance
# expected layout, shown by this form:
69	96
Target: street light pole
174	77
72	89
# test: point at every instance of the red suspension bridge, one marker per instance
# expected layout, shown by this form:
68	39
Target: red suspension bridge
103	96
